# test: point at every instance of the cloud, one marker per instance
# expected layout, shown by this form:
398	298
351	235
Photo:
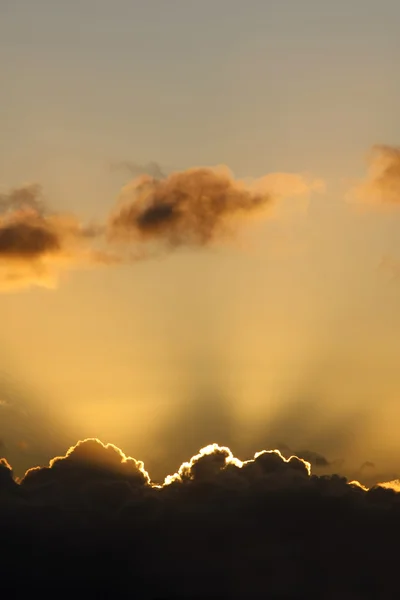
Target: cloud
219	527
205	465
25	231
313	458
88	458
217	464
7	483
136	169
198	206
4	464
36	244
29	429
205	416
391	485
193	207
27	196
381	188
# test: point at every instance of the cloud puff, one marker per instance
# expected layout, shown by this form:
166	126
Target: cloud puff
382	184
26	233
205	465
36	244
196	207
193	207
89	458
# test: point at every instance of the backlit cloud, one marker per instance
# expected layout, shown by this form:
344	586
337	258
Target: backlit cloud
220	527
90	457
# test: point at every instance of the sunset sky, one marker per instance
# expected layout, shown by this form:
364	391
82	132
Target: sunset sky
287	334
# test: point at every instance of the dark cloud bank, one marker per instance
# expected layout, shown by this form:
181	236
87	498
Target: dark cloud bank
93	524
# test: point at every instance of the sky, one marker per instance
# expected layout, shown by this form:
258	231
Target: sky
288	334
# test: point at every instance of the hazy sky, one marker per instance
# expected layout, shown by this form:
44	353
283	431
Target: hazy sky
227	342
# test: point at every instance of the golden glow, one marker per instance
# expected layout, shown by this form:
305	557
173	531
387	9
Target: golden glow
391	485
359	485
286	460
229	459
265	333
186	467
92	453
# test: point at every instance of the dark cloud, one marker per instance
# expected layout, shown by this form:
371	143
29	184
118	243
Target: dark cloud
220	527
25	233
196	206
8	486
89	459
315	459
36	244
27	239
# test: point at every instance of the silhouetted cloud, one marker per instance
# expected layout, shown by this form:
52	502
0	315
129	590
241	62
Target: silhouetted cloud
28	429
219	527
88	458
315	459
194	423
7	483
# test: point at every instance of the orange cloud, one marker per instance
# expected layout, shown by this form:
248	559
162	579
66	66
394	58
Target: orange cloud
381	187
194	207
36	245
198	206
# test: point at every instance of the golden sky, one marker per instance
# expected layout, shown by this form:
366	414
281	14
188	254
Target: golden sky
285	333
